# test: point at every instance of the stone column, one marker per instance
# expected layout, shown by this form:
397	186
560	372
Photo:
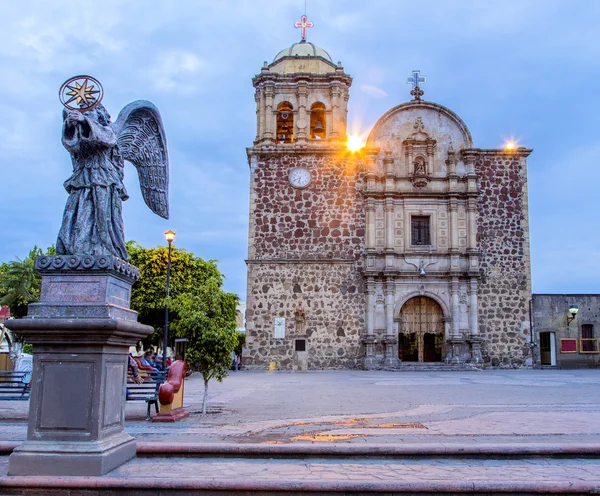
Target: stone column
369	339
474	338
259	113
303	121
81	330
472	222
335	128
269	118
370	237
456	339
453	224
389	224
391	340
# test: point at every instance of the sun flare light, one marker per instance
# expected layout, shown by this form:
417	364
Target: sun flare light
355	142
510	145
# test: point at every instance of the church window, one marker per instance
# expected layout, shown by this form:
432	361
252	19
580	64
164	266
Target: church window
420	231
317	121
285	123
588	343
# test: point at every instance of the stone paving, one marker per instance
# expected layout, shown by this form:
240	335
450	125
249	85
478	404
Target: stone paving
358	409
380	407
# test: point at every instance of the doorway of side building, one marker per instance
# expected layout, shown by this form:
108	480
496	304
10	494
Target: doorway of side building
547	348
421	336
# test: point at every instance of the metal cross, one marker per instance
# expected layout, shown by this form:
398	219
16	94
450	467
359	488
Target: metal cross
304	24
415	79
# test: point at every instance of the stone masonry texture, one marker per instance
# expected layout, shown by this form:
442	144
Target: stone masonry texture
307	246
503	239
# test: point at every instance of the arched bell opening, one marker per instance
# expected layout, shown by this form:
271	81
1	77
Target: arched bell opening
285	123
421	331
317	121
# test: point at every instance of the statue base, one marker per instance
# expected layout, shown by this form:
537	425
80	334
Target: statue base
81	330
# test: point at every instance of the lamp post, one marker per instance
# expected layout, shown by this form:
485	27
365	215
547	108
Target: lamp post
573	309
170	236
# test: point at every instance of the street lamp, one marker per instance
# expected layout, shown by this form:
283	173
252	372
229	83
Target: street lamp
573	309
170	236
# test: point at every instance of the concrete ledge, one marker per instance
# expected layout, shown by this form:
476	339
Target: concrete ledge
354	450
370	450
147	486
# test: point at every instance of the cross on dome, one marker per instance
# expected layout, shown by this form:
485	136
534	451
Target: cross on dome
415	79
304	24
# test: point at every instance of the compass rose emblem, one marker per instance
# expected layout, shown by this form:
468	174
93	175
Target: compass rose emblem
81	93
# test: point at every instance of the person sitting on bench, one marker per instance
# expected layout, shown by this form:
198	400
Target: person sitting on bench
134	370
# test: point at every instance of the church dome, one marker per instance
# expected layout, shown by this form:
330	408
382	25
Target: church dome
303	49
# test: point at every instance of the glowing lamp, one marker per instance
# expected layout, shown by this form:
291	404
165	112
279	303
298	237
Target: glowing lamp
170	236
355	143
573	309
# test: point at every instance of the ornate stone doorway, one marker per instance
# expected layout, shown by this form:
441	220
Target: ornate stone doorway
421	336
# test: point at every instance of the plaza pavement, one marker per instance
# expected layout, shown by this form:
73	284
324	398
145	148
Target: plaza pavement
344	431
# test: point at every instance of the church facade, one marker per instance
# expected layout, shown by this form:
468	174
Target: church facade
414	248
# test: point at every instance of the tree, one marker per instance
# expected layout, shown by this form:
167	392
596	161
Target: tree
20	283
199	309
148	296
208	322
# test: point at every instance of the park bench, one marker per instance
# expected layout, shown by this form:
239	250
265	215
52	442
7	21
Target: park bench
15	385
147	391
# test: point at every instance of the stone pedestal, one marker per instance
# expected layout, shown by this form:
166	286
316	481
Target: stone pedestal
476	342
455	350
81	330
391	358
369	359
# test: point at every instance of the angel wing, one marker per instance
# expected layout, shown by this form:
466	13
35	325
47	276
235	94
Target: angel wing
142	141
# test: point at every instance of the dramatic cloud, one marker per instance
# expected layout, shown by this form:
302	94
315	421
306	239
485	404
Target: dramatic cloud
522	68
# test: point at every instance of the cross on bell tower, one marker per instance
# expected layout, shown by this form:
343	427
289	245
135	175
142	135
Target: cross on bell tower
304	24
415	79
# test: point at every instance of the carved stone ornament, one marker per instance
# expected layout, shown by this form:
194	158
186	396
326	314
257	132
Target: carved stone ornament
94	263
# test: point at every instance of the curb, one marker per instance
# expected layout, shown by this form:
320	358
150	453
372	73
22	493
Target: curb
52	484
156	449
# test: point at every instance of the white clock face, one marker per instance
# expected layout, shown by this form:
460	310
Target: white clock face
299	178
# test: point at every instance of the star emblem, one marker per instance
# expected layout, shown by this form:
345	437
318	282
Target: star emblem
81	93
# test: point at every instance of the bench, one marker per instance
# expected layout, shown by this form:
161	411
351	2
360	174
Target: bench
147	391
15	385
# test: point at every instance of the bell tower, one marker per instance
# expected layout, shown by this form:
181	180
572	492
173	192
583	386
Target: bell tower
301	97
306	229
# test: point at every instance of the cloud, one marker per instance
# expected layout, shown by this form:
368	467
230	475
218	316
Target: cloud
173	70
373	91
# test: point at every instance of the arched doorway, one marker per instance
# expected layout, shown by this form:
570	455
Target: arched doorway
421	331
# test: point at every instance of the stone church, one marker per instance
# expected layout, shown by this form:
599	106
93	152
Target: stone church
413	249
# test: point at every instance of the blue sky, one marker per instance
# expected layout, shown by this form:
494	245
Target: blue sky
523	69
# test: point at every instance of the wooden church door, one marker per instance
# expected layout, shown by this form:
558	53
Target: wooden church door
421	336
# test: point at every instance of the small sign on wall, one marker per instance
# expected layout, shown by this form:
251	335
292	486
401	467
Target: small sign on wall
279	327
568	345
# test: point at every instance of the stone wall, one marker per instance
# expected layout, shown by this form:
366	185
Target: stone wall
503	239
305	245
323	220
550	313
333	298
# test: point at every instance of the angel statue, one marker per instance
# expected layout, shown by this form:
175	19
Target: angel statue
92	222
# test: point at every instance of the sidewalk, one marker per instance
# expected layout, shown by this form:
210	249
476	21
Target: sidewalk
342	432
373	407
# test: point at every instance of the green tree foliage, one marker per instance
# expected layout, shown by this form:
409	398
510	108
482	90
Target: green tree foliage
20	284
199	309
207	320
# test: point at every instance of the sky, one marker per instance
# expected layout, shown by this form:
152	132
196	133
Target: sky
511	69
